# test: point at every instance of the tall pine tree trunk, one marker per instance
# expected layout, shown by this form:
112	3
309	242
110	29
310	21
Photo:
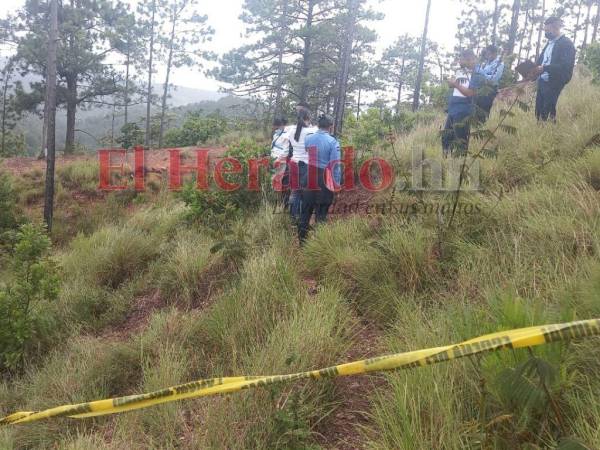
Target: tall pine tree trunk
530	38
538	48
71	111
342	82
495	19
280	50
4	100
127	64
596	22
51	108
514	27
306	52
163	108
358	104
400	86
150	68
524	34
588	19
577	23
419	81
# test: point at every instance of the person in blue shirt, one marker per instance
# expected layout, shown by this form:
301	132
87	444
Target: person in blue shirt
492	69
461	106
324	151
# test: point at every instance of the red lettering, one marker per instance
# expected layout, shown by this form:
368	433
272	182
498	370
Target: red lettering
140	170
106	168
176	169
348	161
234	167
277	182
313	170
294	175
254	166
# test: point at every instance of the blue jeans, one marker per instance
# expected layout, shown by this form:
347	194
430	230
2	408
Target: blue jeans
297	191
456	133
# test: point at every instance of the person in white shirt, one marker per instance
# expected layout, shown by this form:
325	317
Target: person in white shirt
280	151
280	145
296	135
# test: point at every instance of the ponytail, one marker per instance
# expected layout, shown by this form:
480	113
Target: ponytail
303	117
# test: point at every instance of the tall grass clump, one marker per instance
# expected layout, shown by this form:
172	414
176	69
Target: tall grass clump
191	271
372	265
81	177
309	337
83	370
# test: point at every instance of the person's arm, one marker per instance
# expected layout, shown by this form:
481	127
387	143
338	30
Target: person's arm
498	74
467	92
336	156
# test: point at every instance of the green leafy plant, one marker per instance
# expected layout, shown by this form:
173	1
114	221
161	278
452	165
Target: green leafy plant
216	208
8	216
33	279
591	58
197	129
131	135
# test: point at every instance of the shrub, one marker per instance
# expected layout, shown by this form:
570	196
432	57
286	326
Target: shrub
591	58
32	280
217	209
196	129
8	213
131	135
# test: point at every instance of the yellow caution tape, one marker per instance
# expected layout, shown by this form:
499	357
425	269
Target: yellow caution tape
524	337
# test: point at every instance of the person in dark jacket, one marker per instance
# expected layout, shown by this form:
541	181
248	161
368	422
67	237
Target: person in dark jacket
555	69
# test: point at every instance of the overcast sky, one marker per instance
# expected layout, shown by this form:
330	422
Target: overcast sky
401	16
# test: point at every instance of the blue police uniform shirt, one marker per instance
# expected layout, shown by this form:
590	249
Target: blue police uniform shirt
460	105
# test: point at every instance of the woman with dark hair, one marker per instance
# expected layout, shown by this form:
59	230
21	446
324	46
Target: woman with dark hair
324	161
298	162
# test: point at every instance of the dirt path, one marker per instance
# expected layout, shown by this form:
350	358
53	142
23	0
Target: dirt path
344	429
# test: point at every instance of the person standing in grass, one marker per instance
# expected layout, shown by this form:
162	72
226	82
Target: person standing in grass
298	161
324	151
492	69
461	106
555	69
280	146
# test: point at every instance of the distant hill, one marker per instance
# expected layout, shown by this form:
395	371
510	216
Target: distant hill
94	126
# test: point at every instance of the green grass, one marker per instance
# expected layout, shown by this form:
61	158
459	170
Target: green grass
236	301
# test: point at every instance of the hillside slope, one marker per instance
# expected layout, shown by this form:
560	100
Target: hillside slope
154	294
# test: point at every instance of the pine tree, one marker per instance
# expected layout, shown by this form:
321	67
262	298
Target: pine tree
400	63
127	40
84	44
148	12
596	21
11	142
354	42
262	69
538	47
422	56
514	27
51	85
187	31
